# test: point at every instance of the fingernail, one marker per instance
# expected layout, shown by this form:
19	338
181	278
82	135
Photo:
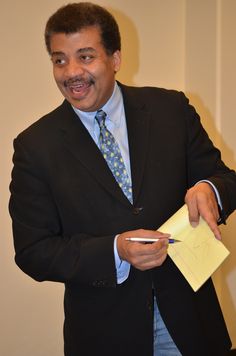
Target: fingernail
194	223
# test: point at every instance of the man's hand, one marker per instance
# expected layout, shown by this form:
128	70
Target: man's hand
141	255
201	201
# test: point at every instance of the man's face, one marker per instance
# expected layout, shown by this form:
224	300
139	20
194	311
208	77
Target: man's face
84	72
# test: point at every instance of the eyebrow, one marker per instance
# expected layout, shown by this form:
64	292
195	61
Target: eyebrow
57	53
86	49
81	50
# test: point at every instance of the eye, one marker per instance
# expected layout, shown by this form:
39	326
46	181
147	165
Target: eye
58	61
86	58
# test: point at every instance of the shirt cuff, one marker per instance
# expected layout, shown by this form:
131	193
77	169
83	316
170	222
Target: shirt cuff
215	190
122	267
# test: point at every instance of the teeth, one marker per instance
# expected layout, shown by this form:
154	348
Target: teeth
75	90
76	85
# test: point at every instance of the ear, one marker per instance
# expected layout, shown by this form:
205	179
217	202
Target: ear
116	60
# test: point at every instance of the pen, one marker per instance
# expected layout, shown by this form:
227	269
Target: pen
149	240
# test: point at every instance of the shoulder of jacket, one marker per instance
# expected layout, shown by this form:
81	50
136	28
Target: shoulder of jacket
49	121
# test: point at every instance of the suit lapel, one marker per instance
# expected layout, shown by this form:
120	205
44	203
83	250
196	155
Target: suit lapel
82	146
79	142
138	121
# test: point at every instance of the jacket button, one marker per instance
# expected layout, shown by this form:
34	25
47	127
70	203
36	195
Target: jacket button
137	211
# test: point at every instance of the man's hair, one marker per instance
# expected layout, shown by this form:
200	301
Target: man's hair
74	17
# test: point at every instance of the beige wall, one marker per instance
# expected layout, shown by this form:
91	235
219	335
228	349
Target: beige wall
227	115
184	44
210	78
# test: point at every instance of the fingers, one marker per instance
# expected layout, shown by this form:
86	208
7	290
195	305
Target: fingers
143	256
193	210
201	201
147	256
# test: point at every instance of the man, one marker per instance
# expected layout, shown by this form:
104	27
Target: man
72	215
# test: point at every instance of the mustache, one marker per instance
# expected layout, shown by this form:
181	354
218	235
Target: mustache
78	80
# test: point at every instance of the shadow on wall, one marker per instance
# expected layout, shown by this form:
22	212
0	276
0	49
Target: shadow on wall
208	122
224	285
129	47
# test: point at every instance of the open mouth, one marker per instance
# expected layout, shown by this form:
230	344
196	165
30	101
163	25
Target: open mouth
78	87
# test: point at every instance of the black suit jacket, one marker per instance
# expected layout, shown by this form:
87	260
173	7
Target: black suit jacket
66	209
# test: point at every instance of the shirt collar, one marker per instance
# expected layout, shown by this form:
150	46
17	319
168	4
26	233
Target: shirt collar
112	108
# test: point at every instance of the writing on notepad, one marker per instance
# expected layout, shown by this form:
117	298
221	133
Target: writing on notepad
199	253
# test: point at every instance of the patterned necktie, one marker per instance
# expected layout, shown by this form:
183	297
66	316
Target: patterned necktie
112	155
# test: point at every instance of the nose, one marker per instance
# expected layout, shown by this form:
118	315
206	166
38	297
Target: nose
74	68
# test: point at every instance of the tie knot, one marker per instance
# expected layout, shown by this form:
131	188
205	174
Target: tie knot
101	117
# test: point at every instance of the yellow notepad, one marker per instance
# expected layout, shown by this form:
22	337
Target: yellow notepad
199	253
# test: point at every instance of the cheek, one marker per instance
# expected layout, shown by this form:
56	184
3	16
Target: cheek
105	78
58	76
55	77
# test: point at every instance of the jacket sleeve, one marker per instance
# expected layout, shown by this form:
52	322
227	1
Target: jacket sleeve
204	162
43	251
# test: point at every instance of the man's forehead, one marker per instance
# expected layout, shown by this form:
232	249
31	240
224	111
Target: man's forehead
88	35
78	51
